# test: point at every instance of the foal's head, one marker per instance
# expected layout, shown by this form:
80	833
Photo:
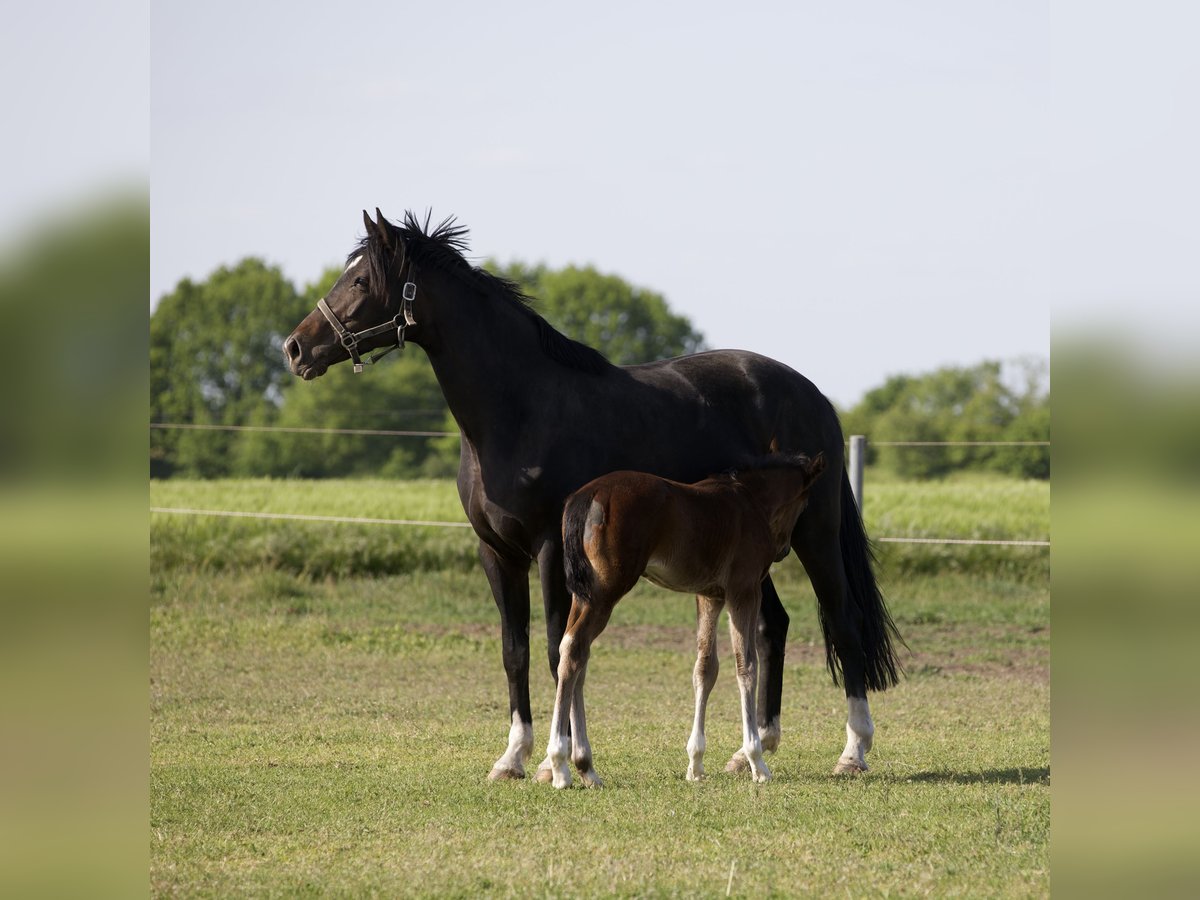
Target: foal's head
780	484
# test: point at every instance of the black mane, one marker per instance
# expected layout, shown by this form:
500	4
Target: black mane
443	248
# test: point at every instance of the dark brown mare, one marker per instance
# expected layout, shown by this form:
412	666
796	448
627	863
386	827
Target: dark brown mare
541	415
716	538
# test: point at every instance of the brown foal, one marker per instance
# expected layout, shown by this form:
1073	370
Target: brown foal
716	538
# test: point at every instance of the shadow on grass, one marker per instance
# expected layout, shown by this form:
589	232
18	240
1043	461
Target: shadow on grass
989	776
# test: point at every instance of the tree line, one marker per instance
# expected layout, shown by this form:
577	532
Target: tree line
215	360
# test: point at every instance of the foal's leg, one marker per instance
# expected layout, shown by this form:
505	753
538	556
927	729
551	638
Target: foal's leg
581	749
704	676
587	619
743	620
772	634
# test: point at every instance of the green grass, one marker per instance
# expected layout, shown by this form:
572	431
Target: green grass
978	507
318	733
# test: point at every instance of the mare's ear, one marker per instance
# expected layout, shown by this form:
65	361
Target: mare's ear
372	231
384	230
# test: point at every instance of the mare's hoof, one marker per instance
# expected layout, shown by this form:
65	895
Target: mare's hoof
849	767
499	774
693	775
545	775
737	764
591	780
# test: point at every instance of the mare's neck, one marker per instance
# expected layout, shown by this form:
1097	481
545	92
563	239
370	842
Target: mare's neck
485	353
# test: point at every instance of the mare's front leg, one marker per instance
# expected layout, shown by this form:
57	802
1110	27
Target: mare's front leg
509	581
587	619
743	622
704	676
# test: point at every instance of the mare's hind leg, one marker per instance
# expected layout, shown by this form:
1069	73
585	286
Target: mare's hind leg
773	624
587	619
743	620
822	559
556	601
510	586
704	676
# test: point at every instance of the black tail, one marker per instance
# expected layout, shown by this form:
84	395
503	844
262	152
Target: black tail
877	631
581	578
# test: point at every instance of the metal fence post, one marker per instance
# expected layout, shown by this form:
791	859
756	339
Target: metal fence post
858	459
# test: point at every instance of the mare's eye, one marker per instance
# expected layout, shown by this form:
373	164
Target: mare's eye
361	283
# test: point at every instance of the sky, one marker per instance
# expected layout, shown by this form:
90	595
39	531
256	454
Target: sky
856	189
853	189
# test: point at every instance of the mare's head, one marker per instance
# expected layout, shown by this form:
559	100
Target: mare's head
363	311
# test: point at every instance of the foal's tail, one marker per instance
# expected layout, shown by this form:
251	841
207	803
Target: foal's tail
877	631
581	577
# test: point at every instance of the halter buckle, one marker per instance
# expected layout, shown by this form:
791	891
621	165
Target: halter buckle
409	293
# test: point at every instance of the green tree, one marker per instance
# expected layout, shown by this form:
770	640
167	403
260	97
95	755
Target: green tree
972	404
215	359
627	324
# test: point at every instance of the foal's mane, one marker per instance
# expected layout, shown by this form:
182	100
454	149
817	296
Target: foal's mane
442	247
767	461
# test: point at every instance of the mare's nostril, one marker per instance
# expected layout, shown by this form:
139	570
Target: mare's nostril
291	349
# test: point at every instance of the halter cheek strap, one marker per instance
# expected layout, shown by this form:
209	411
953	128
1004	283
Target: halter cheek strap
349	339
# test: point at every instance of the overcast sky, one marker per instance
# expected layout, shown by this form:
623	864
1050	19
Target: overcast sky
857	189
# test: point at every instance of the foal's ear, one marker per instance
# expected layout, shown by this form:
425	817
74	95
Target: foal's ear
816	467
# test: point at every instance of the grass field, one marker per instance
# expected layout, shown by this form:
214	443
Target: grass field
315	730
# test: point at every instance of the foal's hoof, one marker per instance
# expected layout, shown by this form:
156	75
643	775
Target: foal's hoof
737	764
500	774
544	775
591	779
849	767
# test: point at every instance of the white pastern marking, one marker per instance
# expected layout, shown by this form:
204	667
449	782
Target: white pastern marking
860	732
520	745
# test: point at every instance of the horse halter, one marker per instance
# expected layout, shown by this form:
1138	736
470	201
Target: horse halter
349	339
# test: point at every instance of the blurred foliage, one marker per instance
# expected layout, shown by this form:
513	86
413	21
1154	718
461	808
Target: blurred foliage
977	403
72	287
1126	526
73	662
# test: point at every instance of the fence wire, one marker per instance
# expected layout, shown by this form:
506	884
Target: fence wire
380	432
359	520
